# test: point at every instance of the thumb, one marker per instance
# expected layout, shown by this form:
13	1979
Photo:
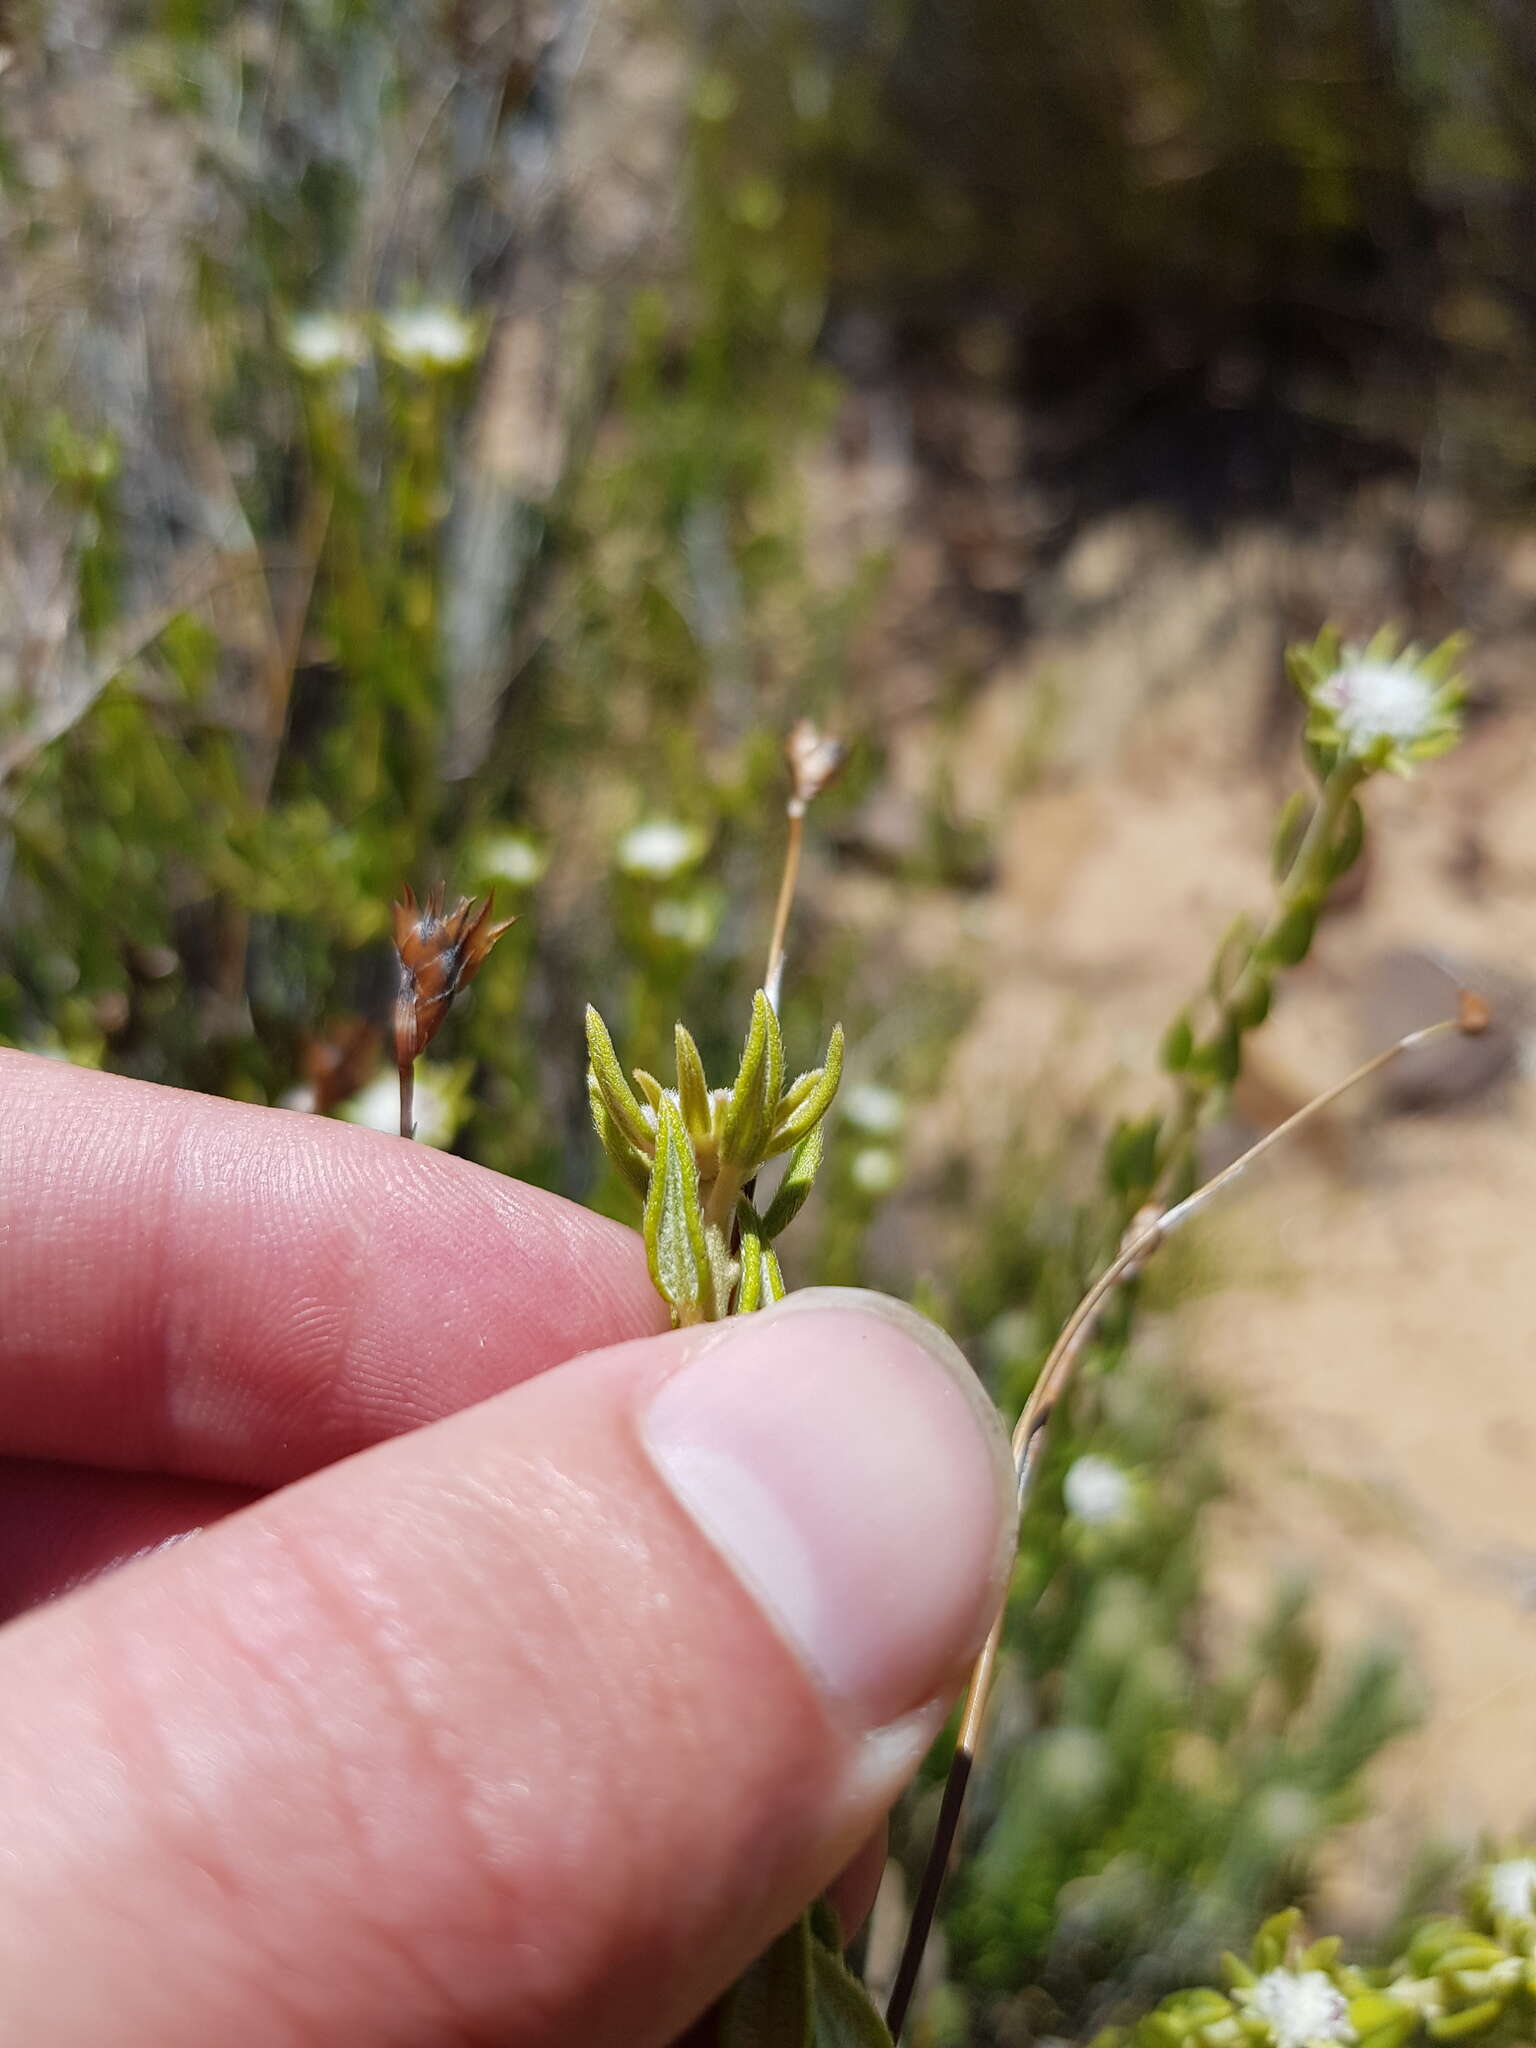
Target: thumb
535	1725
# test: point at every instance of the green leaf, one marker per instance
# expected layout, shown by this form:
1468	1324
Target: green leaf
1130	1158
797	1117
769	2005
1232	957
1287	945
773	1275
749	1295
796	1184
842	2015
649	1087
616	1091
1290	830
1178	1044
692	1087
675	1246
1346	848
631	1164
1251	1007
747	1124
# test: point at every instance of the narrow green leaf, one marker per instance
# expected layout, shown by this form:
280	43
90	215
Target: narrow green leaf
749	1249
629	1162
1231	956
747	1124
1178	1044
1288	943
816	1101
692	1087
1348	845
616	1091
769	2005
673	1228
649	1087
796	1184
1290	830
773	1275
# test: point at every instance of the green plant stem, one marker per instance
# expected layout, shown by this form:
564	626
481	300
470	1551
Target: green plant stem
1306	880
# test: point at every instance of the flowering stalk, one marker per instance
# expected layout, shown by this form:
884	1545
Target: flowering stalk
1369	709
1151	1228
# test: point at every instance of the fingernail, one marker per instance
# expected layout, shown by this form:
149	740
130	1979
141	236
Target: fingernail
839	1453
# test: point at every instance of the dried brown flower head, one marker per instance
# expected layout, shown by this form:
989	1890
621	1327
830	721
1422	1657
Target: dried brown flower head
1473	1013
815	759
439	955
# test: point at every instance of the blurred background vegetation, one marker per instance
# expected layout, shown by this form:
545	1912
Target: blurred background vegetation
457	440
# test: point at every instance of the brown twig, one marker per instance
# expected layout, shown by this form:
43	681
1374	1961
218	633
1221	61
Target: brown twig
1146	1233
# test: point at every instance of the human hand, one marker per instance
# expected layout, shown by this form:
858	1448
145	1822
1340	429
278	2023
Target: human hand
514	1689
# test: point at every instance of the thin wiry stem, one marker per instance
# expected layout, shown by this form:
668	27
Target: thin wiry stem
408	1100
1029	1438
773	973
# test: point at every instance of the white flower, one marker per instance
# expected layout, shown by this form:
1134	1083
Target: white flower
512	857
1512	1888
874	1170
324	342
1097	1491
687	921
877	1112
1372	701
1301	2007
429	338
659	848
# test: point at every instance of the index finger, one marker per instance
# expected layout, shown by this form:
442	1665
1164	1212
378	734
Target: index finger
241	1294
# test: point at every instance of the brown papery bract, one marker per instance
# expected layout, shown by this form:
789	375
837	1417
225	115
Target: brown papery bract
439	955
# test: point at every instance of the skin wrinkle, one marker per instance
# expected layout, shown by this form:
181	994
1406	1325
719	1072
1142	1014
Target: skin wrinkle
340	1594
108	1663
309	1594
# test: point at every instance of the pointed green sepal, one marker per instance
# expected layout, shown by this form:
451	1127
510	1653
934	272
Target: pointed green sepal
797	1182
616	1091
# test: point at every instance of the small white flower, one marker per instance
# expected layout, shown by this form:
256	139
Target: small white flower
512	857
687	921
1301	2007
659	848
1374	701
877	1112
1097	1491
874	1169
324	342
429	338
1512	1888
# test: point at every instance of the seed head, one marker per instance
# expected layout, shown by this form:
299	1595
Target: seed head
439	955
1473	1013
815	759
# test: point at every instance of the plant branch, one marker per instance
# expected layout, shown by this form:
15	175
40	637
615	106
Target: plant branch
1147	1232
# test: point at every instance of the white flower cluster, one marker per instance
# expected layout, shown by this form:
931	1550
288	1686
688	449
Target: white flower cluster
658	848
1374	701
1097	1491
1512	1888
1300	2007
